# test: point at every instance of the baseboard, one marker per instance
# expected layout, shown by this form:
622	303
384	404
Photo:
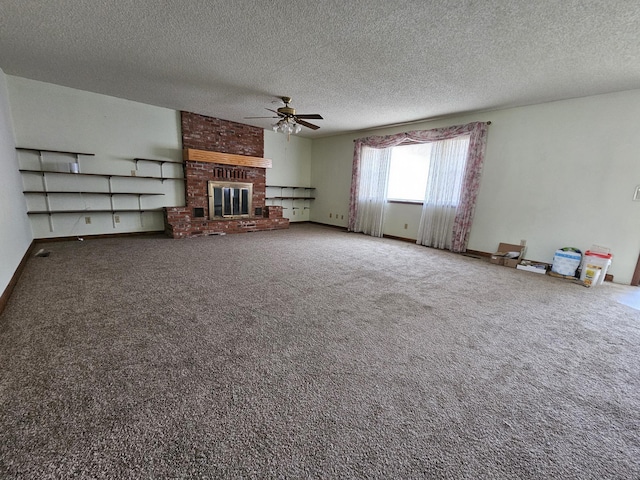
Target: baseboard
402	239
97	236
477	253
4	299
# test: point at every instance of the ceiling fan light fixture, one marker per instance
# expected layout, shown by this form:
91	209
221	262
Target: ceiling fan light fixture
290	123
286	125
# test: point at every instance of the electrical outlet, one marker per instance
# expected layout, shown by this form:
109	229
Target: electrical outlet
329	215
523	242
341	217
406	225
87	220
116	218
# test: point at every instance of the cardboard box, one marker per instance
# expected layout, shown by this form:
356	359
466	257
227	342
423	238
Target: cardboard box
498	258
512	262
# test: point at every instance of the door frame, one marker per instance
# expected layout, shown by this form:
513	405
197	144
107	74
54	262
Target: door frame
635	280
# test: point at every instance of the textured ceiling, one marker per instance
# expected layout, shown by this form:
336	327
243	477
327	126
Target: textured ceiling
360	63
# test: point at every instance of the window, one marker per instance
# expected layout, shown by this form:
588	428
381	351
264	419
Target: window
410	165
443	179
408	172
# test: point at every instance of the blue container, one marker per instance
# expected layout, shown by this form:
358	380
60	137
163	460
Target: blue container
566	261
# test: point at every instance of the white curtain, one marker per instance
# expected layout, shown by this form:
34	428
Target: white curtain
475	134
444	188
372	190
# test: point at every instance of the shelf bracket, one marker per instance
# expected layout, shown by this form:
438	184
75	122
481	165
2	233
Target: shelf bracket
110	193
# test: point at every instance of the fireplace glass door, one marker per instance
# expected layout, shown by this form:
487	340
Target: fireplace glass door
230	199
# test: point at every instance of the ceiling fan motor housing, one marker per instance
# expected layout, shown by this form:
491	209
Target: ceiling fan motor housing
288	115
287	110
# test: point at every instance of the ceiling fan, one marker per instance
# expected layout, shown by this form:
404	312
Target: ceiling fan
289	118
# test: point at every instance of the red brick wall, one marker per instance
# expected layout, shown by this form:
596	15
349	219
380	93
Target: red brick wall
198	174
216	135
176	225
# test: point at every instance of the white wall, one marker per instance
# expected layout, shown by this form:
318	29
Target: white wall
291	167
15	231
59	118
331	160
556	174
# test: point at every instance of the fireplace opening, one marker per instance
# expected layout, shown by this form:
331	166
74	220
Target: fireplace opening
230	199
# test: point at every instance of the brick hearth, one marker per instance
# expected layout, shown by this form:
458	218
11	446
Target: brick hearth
215	135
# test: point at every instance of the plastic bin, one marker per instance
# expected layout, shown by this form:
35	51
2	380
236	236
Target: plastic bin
566	261
598	259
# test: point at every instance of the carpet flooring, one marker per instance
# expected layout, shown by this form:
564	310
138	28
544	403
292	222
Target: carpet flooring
311	353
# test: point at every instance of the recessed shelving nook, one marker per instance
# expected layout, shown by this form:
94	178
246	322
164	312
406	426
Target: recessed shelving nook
297	197
56	184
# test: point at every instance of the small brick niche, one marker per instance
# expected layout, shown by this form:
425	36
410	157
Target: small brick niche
208	134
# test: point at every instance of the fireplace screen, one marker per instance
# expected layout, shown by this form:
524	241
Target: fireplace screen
230	199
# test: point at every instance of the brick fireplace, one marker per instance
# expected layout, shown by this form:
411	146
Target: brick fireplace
229	154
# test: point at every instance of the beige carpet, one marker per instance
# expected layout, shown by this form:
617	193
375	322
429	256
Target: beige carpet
311	353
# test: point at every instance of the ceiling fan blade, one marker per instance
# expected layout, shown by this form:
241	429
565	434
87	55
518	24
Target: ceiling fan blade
276	112
246	118
307	124
310	115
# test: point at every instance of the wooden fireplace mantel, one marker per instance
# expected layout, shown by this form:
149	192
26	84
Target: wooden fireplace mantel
225	158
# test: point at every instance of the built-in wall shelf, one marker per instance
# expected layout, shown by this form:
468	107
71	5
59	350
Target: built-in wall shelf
105	175
154	160
59	195
42	192
42	150
291	198
293	195
47	193
97	210
159	162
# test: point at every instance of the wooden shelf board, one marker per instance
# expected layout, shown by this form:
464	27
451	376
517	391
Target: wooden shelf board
28	149
156	161
290	198
225	158
92	193
116	210
105	175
